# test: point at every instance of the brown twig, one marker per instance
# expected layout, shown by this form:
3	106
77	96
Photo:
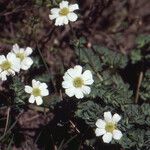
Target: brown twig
138	87
7	120
74	126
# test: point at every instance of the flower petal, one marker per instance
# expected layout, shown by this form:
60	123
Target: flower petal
55	11
63	4
28	51
107	137
2	58
70	92
39	100
78	94
15	48
78	70
59	21
44	92
67	84
100	123
88	78
16	64
35	83
72	16
116	118
43	86
117	134
65	21
53	16
99	131
26	63
32	99
73	7
108	116
67	77
72	72
86	90
28	89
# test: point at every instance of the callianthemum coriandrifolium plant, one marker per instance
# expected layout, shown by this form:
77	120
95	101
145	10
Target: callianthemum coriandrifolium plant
110	92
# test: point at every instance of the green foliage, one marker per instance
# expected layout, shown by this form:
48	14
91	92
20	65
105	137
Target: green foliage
19	94
43	78
36	62
142	50
111	93
90	111
136	56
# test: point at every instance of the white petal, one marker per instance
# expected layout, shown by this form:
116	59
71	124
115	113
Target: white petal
16	64
99	131
28	89
3	76
67	84
35	83
100	123
15	48
53	16
59	21
39	100
22	50
55	11
78	94
108	116
78	70
63	4
2	58
44	92
73	7
65	21
26	63
32	99
72	16
116	118
107	137
117	134
86	90
67	77
11	56
87	77
10	72
70	92
72	73
43	86
28	51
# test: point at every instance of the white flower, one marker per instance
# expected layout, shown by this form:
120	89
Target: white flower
22	54
64	14
75	83
37	91
8	65
108	127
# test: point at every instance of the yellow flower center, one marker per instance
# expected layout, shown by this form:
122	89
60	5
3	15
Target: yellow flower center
78	82
21	56
64	11
110	127
5	65
36	92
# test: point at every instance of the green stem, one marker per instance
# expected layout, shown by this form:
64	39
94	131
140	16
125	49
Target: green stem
75	37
